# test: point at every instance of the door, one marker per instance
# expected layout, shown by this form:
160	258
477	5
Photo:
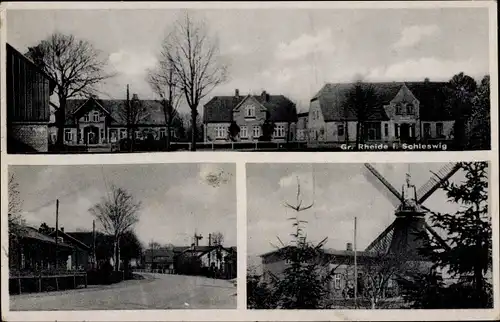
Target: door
404	132
91	135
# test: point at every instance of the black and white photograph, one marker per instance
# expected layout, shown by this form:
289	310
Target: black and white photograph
122	237
369	236
248	79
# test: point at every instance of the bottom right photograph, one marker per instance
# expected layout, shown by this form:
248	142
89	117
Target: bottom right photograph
369	236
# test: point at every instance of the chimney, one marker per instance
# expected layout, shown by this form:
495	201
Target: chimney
264	96
349	247
135	97
237	93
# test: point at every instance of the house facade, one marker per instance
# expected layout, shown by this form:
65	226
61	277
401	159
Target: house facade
28	98
302	133
95	121
249	113
403	112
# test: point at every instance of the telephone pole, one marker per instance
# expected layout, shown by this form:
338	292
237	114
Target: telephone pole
94	257
355	267
57	232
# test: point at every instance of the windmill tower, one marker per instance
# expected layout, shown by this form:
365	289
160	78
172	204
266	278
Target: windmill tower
403	235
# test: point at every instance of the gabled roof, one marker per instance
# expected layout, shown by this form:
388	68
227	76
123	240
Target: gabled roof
75	240
333	99
115	108
220	108
33	233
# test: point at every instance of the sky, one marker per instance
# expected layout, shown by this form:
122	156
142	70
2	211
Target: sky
339	191
176	199
293	52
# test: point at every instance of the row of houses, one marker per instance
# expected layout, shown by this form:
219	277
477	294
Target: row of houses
402	112
215	261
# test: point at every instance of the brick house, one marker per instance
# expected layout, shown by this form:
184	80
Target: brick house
95	121
28	97
404	112
249	113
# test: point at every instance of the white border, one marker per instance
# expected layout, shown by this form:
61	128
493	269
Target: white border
240	158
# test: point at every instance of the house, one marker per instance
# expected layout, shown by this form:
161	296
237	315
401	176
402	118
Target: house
33	251
403	112
341	264
93	121
301	128
28	97
200	259
81	257
162	258
249	113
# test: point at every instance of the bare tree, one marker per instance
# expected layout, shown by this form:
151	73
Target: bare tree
117	213
193	55
16	222
153	246
133	113
164	82
217	239
361	98
76	67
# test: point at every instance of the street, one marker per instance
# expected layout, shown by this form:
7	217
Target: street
156	291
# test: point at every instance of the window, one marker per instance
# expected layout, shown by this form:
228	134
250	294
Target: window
409	108
373	131
244	132
250	111
340	130
398	109
95	116
220	132
279	131
163	132
427	130
412	130
396	130
386	130
123	133
86	117
439	129
337	280
68	136
256	132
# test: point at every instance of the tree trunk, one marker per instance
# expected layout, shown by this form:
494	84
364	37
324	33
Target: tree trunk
115	251
194	128
60	115
358	126
169	135
118	254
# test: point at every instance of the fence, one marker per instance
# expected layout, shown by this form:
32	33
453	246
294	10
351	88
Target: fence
29	282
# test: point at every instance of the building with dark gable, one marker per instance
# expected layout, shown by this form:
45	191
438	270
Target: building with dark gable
412	112
28	98
249	113
95	121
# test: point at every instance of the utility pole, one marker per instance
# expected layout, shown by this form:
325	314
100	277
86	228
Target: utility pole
94	256
57	232
355	267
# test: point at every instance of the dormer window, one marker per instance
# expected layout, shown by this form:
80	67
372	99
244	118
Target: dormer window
95	116
409	108
250	111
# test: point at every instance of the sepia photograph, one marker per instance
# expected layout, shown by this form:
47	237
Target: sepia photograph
369	236
122	237
301	79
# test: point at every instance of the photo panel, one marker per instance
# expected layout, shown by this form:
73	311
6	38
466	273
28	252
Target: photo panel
122	237
369	236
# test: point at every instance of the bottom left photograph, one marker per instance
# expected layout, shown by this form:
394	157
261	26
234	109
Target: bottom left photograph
111	237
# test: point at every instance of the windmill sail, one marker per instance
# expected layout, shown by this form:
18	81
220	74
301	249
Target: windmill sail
377	180
436	180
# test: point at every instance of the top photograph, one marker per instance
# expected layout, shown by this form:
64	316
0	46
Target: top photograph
240	79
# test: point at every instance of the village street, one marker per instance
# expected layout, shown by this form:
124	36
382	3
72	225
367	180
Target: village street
156	291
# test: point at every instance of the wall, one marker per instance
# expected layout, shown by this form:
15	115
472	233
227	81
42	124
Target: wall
35	136
240	118
316	123
210	132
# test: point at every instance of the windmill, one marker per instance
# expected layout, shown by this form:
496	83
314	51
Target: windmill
403	236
